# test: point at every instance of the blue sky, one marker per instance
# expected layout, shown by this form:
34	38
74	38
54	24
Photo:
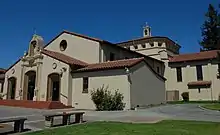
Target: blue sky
113	20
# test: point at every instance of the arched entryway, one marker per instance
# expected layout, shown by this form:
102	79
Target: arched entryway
29	85
53	87
11	88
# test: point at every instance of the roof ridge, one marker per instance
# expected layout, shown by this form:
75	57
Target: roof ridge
120	60
82	35
139	38
197	52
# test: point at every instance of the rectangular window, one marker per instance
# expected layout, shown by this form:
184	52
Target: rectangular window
1	84
158	70
85	84
179	74
219	67
199	72
112	56
135	47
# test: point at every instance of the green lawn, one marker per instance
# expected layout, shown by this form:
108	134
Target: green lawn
215	106
116	128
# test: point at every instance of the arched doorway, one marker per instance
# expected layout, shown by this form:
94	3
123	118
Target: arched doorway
53	87
11	88
29	85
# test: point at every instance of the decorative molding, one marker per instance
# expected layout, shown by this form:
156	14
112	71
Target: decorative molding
13	71
54	65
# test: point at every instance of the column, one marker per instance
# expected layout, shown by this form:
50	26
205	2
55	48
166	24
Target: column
37	82
21	90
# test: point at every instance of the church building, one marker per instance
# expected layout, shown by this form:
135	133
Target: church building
71	65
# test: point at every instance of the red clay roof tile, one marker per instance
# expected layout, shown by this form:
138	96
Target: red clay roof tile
199	83
111	64
194	56
64	58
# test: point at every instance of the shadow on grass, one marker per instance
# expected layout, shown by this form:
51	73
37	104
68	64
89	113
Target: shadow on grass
13	132
72	123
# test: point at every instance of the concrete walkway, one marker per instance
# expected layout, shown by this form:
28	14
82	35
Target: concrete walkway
151	115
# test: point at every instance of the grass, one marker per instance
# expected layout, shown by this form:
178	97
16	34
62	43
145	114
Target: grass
167	127
215	106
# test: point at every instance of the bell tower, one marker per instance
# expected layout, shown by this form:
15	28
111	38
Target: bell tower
146	30
35	45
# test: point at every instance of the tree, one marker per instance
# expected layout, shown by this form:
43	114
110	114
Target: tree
210	30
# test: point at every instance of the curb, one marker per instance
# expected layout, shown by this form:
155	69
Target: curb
207	109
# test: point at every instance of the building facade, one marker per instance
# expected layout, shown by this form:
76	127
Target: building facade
71	65
195	73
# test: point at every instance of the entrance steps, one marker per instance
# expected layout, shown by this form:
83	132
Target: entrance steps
34	104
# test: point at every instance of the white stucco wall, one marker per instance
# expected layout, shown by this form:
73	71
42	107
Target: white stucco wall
146	87
116	79
188	75
77	47
47	69
17	75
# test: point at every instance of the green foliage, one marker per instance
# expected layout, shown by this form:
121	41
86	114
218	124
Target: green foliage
185	96
211	30
105	100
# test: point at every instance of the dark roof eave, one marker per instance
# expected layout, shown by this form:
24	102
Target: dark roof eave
190	60
161	37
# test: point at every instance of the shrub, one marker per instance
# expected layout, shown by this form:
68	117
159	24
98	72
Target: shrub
105	100
185	96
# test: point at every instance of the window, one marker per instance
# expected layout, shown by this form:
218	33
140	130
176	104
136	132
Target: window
151	44
1	84
199	72
158	70
85	84
199	90
143	46
179	74
112	56
135	47
218	67
126	57
159	44
128	47
63	45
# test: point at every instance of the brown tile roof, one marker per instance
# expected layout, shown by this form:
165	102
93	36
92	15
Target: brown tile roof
199	83
149	39
194	56
76	34
112	64
64	58
117	64
2	70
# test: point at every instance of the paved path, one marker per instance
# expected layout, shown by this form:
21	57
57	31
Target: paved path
150	115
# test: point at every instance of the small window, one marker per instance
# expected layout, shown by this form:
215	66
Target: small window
112	56
143	46
218	67
151	44
179	74
158	70
199	72
135	47
85	84
2	84
199	90
63	45
126	57
128	47
159	44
